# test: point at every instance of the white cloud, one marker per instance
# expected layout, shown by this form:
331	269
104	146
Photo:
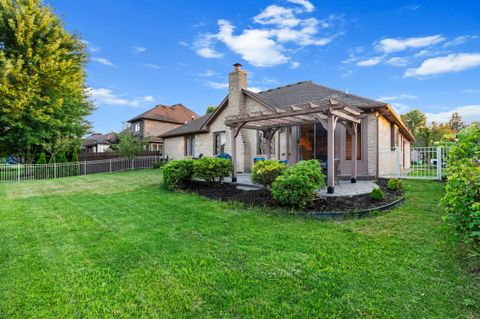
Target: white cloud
413	7
255	89
254	45
471	91
103	96
103	61
397	97
270	44
90	46
140	49
148	98
400	108
469	114
277	15
217	85
397	61
207	73
152	66
390	45
459	40
294	64
183	43
307	5
370	62
446	64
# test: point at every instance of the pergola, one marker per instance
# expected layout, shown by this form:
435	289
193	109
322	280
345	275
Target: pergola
327	112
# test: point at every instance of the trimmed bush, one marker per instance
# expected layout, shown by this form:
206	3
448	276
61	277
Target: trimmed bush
265	172
177	173
211	169
159	164
462	192
293	190
310	169
377	194
393	184
76	167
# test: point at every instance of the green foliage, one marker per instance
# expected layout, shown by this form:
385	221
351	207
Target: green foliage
377	194
129	145
159	164
76	167
42	159
456	124
462	192
63	158
265	172
177	173
310	169
210	109
212	169
393	184
42	79
293	190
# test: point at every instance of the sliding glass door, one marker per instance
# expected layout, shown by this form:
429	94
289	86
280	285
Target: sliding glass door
313	142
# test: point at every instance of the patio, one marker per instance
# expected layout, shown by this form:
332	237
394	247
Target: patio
342	188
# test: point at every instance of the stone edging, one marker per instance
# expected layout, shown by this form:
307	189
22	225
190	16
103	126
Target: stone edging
360	213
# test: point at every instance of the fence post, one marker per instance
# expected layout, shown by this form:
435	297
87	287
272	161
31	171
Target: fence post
439	163
397	161
54	170
85	168
133	163
18	172
110	165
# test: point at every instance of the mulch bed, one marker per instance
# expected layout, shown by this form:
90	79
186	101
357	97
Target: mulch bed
263	197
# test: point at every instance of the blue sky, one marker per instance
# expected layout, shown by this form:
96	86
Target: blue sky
423	54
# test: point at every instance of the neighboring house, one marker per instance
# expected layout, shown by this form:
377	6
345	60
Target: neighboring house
297	137
158	120
98	143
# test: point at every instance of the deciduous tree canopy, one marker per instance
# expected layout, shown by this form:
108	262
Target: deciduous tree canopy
42	90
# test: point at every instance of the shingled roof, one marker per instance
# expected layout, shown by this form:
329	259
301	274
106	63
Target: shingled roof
177	113
195	126
307	91
297	93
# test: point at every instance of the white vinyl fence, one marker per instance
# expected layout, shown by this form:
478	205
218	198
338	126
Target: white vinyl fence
27	172
412	162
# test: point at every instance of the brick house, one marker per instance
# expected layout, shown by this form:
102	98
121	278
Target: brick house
158	120
298	137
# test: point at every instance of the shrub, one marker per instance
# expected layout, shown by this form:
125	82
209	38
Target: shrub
42	159
159	164
462	192
310	169
293	190
211	169
177	173
393	184
265	172
76	165
377	194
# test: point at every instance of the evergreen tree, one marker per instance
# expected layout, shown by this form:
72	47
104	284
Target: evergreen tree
76	164
42	90
63	158
42	159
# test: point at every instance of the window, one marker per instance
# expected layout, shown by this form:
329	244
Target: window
348	144
136	127
393	136
156	147
262	144
219	139
189	145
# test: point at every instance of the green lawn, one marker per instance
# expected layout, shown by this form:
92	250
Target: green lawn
116	245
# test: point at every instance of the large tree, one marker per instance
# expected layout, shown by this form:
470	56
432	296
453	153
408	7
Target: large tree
414	120
456	123
42	80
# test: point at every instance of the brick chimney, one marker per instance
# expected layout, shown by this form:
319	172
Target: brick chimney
237	80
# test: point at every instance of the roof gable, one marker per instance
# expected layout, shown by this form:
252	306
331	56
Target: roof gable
177	113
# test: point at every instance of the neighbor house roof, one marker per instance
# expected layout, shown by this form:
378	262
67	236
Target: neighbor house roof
98	138
177	113
193	127
298	93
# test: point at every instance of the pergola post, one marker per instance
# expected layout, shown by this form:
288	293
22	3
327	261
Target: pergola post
330	154
233	133
268	137
354	153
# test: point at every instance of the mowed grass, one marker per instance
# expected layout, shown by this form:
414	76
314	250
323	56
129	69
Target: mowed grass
117	245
